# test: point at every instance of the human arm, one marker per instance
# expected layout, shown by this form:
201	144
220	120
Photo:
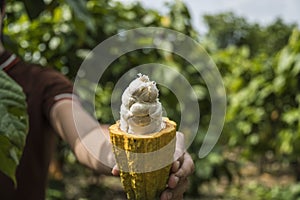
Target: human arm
92	147
88	140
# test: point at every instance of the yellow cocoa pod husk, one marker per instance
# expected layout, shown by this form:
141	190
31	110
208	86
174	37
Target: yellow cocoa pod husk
144	161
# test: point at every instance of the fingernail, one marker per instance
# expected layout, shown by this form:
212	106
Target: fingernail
176	179
175	166
115	172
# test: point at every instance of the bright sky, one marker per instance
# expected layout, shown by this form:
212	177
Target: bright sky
261	11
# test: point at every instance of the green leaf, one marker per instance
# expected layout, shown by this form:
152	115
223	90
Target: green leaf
13	125
81	12
285	138
34	8
8	165
285	60
291	116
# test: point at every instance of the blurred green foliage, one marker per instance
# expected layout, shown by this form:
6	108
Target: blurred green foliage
227	29
261	192
263	100
260	66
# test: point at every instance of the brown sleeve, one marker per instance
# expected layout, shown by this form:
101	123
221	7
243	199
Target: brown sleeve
41	85
57	87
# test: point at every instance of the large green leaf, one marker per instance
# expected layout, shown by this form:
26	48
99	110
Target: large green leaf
13	124
34	8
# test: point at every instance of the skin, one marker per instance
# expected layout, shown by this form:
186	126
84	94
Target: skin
181	168
178	180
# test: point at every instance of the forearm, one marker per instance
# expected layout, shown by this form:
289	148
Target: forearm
89	141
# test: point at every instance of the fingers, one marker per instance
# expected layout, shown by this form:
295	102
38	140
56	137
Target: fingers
178	182
176	194
182	187
175	166
187	167
182	167
115	171
180	147
173	181
166	195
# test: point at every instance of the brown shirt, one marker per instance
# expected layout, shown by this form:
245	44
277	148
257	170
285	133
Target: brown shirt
41	86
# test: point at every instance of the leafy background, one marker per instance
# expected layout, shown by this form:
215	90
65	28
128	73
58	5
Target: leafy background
257	156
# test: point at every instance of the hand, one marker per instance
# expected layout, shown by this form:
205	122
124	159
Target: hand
115	171
182	167
178	182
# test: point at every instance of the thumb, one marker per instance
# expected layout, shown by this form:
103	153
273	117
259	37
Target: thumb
180	146
115	171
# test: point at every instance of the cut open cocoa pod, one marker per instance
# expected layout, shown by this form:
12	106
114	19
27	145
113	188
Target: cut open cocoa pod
144	161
